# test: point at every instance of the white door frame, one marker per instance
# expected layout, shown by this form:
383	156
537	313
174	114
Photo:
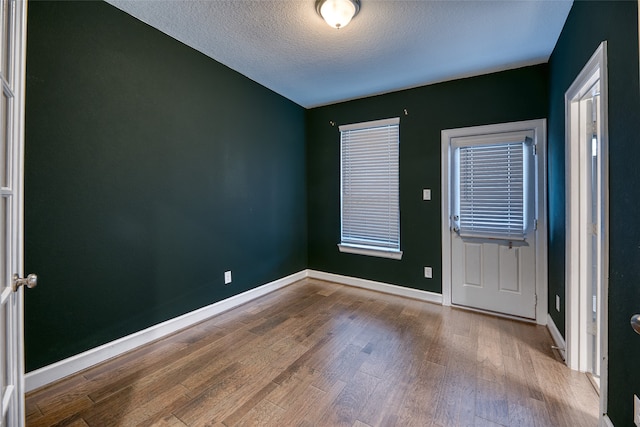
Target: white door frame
12	190
20	67
596	68
539	127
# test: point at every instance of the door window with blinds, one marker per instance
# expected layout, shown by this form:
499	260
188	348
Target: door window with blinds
493	182
370	205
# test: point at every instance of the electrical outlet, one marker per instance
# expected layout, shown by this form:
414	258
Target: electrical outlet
558	303
636	410
428	272
227	277
426	194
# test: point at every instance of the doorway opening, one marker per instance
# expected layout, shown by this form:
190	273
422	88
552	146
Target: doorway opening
587	222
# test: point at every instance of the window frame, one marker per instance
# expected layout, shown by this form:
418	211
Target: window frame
525	138
357	246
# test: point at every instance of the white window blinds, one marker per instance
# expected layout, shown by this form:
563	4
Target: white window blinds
492	189
369	181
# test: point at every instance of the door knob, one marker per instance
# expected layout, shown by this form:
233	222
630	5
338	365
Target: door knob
30	281
635	323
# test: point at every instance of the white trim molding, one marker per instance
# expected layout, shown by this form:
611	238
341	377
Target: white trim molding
74	364
557	337
82	361
577	268
361	250
594	70
56	371
377	286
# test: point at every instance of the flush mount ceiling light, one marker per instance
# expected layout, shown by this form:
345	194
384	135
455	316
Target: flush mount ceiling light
338	13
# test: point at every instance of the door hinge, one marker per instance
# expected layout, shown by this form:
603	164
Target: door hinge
535	297
535	149
535	224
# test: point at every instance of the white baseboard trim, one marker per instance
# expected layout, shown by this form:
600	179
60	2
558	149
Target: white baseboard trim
50	373
557	337
56	371
606	421
377	286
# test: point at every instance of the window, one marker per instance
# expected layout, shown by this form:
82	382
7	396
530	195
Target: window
492	174
370	207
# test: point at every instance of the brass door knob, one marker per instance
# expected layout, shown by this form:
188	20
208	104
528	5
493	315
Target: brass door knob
30	281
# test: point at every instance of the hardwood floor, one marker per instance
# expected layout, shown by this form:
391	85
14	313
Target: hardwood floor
322	354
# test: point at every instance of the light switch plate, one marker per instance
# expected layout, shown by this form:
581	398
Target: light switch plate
227	277
426	194
428	272
636	410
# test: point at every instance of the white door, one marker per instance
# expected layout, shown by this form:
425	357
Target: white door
12	56
493	208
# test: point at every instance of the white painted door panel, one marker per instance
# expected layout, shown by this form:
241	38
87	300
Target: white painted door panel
492	276
12	30
495	273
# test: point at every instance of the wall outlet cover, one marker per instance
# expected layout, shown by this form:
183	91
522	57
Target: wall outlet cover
426	194
428	272
558	303
227	277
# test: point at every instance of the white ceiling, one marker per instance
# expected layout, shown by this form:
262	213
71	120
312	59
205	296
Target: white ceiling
390	45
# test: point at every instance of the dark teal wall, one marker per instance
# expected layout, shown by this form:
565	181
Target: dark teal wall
150	170
588	24
514	95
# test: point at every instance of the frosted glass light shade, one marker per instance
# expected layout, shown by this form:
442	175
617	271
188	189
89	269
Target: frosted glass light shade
338	13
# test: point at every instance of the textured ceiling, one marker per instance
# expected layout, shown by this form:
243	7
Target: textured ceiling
390	45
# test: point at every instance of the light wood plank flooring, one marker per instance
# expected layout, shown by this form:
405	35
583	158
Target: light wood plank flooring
322	354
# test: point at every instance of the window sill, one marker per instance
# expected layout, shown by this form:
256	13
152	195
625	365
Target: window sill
370	251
